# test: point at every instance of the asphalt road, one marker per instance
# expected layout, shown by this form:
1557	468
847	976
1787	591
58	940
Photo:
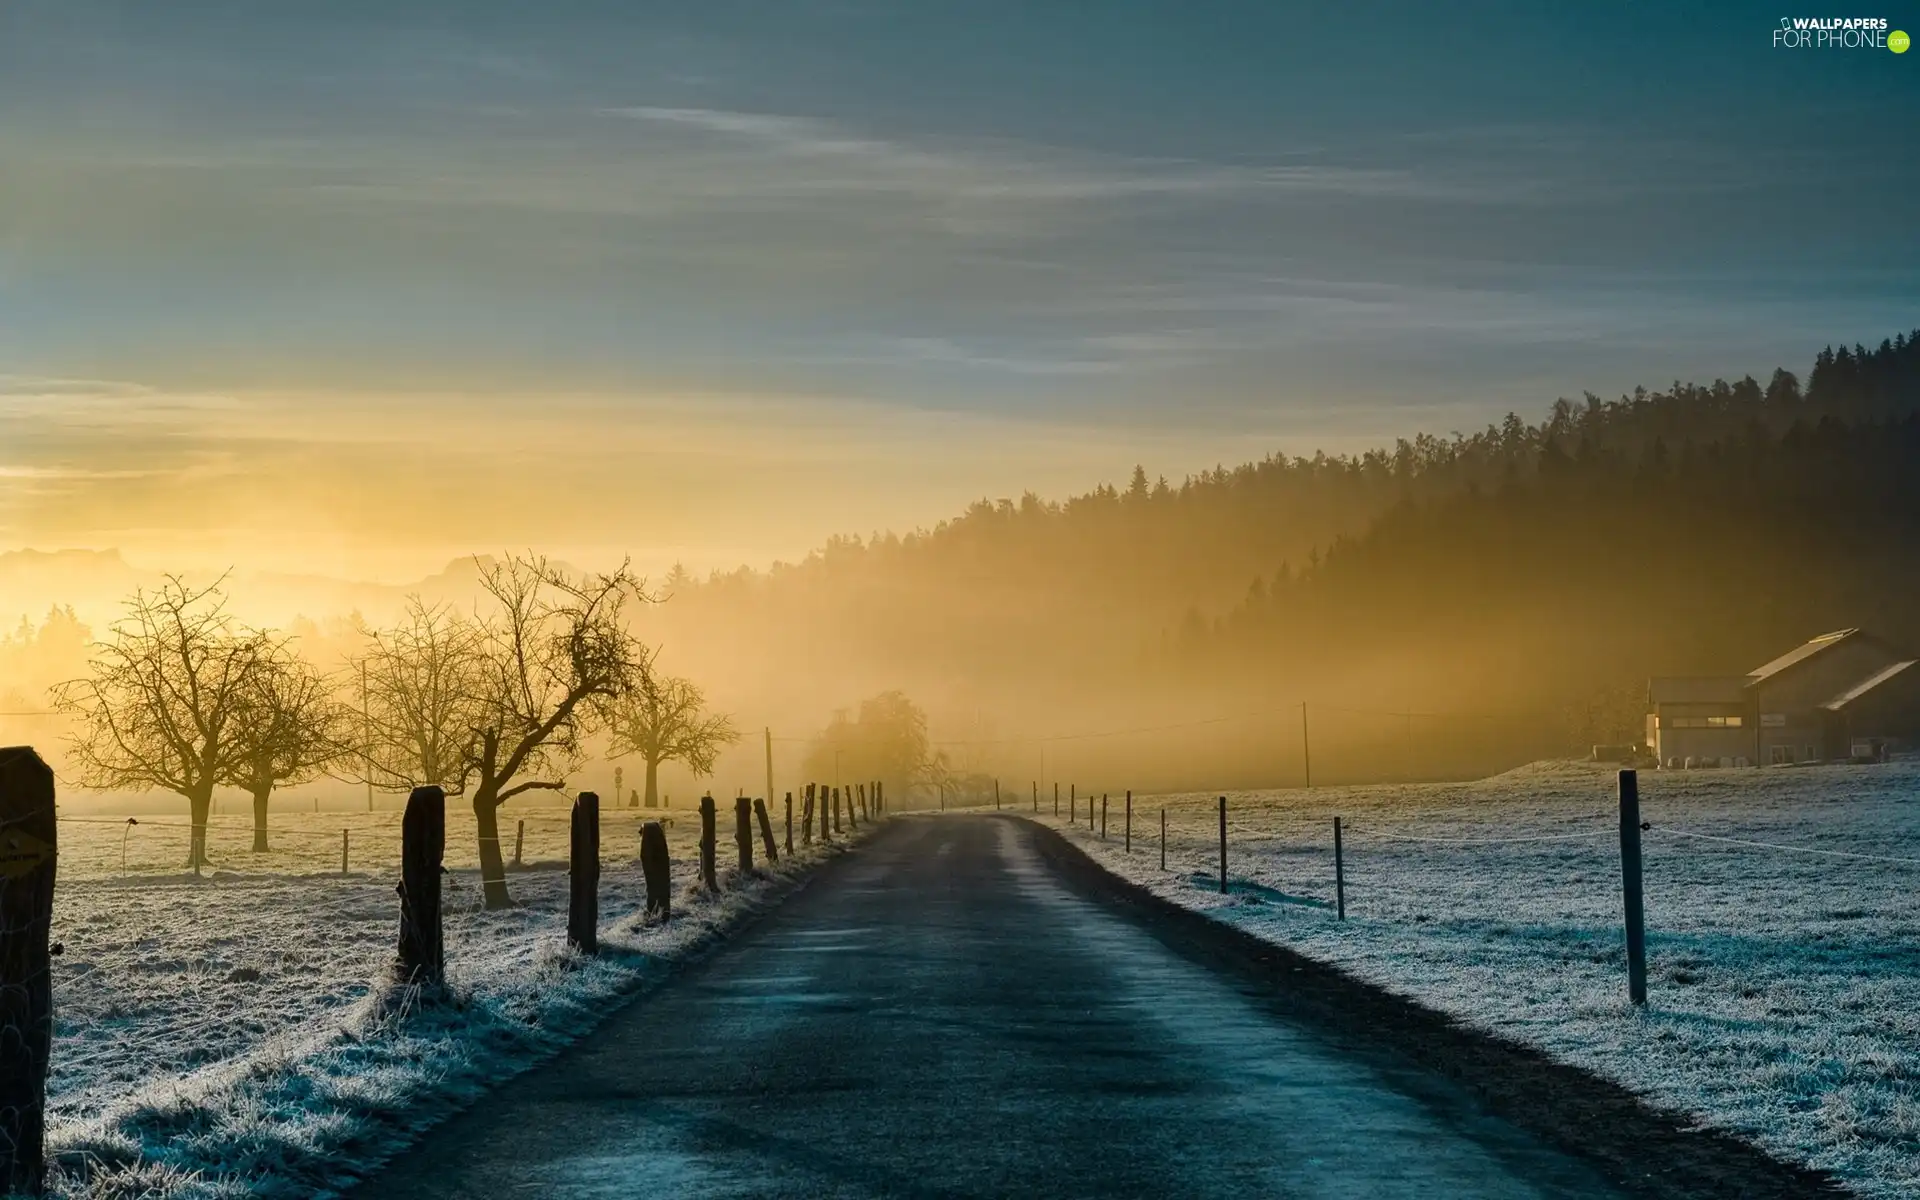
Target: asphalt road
940	1016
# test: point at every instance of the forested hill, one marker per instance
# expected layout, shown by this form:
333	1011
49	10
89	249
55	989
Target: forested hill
1695	528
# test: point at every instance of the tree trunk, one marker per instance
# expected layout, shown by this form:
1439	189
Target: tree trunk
260	794
653	783
493	865
199	803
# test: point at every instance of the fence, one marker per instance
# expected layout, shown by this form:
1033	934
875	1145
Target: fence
136	857
1582	860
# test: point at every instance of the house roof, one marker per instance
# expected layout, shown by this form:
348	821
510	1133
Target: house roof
1867	685
1800	654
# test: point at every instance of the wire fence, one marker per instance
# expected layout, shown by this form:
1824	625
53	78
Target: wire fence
1714	860
145	848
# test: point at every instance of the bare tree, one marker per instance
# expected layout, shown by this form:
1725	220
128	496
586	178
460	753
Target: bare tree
424	685
289	728
556	654
665	720
160	705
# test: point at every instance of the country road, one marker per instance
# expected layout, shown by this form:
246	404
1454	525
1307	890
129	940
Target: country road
940	1016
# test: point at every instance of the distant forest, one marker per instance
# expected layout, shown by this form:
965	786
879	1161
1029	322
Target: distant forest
1523	580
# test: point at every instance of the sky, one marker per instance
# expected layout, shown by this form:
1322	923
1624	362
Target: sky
358	287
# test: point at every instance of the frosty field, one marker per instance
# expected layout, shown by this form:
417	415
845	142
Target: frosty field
1784	985
220	1035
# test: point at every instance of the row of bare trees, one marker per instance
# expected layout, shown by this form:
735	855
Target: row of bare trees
489	704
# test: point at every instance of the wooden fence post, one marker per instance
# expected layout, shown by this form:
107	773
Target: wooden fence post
343	852
1636	913
1223	845
708	849
806	818
28	844
656	865
1056	797
1339	873
583	883
422	960
1073	804
996	795
836	810
1103	814
789	824
1036	797
743	832
519	840
766	830
1163	839
1129	834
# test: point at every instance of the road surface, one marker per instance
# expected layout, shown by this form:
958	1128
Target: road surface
939	1016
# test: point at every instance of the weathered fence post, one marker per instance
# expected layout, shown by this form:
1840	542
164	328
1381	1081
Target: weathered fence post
519	839
836	810
656	865
853	810
789	824
422	959
743	832
1073	804
708	848
1056	797
1339	873
1636	913
1036	797
28	842
1128	847
1163	839
343	852
1103	815
996	795
766	830
806	818
1223	845
583	883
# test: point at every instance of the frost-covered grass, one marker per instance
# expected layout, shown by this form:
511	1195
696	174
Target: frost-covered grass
1784	987
235	1034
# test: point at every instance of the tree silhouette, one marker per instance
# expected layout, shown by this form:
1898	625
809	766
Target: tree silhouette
162	703
289	727
555	654
665	720
423	700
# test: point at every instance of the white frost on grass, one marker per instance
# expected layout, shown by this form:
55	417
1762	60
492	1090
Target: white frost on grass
1784	988
234	1035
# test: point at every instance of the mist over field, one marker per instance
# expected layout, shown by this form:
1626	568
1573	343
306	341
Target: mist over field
1443	606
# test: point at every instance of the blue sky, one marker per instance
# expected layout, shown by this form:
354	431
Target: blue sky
947	249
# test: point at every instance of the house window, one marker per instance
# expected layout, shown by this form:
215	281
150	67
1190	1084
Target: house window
1701	722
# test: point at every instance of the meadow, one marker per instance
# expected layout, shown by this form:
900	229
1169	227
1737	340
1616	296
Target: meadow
1783	928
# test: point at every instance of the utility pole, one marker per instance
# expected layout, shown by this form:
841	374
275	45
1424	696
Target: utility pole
1306	746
